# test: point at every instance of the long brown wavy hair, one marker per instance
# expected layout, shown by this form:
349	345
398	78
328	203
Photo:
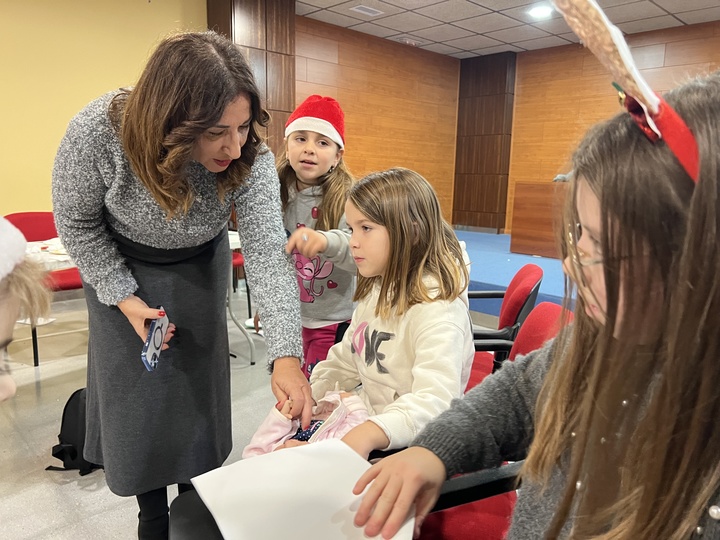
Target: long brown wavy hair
184	90
634	403
422	243
335	186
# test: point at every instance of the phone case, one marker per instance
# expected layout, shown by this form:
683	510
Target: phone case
154	342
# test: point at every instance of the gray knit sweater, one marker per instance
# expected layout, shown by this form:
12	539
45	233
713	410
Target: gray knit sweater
493	423
95	191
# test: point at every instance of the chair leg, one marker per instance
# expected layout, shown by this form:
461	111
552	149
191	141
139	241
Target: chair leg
247	291
36	357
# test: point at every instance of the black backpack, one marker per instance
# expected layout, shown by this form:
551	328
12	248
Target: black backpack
72	436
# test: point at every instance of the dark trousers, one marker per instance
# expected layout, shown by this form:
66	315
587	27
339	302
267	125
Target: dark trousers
153	522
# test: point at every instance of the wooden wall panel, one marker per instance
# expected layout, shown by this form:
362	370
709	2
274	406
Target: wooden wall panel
537	210
248	23
561	92
258	63
219	16
400	102
280	17
483	147
264	30
276	130
280	70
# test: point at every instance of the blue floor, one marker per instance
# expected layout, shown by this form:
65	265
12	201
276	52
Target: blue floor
493	266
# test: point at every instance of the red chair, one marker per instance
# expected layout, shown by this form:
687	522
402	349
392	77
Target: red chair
480	505
517	301
238	261
36	227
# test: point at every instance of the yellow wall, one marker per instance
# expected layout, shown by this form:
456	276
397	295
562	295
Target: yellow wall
55	56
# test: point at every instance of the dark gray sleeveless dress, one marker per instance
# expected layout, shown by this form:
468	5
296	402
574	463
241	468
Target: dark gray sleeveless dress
184	429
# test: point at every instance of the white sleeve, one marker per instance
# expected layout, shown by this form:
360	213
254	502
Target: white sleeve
443	349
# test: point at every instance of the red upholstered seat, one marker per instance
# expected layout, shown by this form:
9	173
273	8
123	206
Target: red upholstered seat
542	324
517	302
64	280
520	297
35	226
238	261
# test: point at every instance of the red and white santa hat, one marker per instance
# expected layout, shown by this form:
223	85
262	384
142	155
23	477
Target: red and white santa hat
320	114
12	247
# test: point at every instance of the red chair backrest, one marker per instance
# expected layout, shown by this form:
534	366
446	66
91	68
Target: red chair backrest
39	226
542	324
66	279
35	226
522	286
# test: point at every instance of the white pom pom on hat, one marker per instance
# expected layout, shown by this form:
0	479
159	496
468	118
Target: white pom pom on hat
12	247
320	114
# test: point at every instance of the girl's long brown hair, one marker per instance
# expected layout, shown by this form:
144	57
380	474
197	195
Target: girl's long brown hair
335	186
421	241
183	90
634	402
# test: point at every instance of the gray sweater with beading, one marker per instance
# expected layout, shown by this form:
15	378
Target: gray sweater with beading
494	422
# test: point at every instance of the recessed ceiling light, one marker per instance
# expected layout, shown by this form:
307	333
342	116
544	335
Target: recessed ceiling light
366	10
409	41
540	12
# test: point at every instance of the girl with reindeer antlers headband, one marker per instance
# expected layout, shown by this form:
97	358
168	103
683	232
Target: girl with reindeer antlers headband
615	418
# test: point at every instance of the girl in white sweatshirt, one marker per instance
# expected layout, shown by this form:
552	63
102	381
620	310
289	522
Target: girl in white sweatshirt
409	347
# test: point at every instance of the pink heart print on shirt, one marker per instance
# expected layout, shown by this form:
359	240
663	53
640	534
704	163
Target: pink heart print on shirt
331	284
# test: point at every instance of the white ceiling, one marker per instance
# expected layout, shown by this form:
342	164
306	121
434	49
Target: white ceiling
467	28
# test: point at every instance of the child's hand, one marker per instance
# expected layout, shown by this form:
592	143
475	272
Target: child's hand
306	241
256	321
284	408
413	476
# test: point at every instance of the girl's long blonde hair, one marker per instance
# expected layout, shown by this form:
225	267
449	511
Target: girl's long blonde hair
422	243
26	283
638	417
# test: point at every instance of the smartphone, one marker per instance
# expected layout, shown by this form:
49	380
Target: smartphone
154	342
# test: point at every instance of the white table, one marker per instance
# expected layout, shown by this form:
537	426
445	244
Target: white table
234	240
50	254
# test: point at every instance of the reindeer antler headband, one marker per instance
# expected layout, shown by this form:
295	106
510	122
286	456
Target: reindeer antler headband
651	112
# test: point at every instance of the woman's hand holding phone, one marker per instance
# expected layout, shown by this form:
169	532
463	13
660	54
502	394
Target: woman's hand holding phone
139	315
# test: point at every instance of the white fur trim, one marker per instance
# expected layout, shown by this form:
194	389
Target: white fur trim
12	247
318	125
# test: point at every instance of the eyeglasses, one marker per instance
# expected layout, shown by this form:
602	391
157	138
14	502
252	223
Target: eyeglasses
578	256
579	259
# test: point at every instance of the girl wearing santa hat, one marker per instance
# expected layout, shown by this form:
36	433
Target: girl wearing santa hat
314	183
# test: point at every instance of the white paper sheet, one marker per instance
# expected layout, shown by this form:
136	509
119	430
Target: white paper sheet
301	492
